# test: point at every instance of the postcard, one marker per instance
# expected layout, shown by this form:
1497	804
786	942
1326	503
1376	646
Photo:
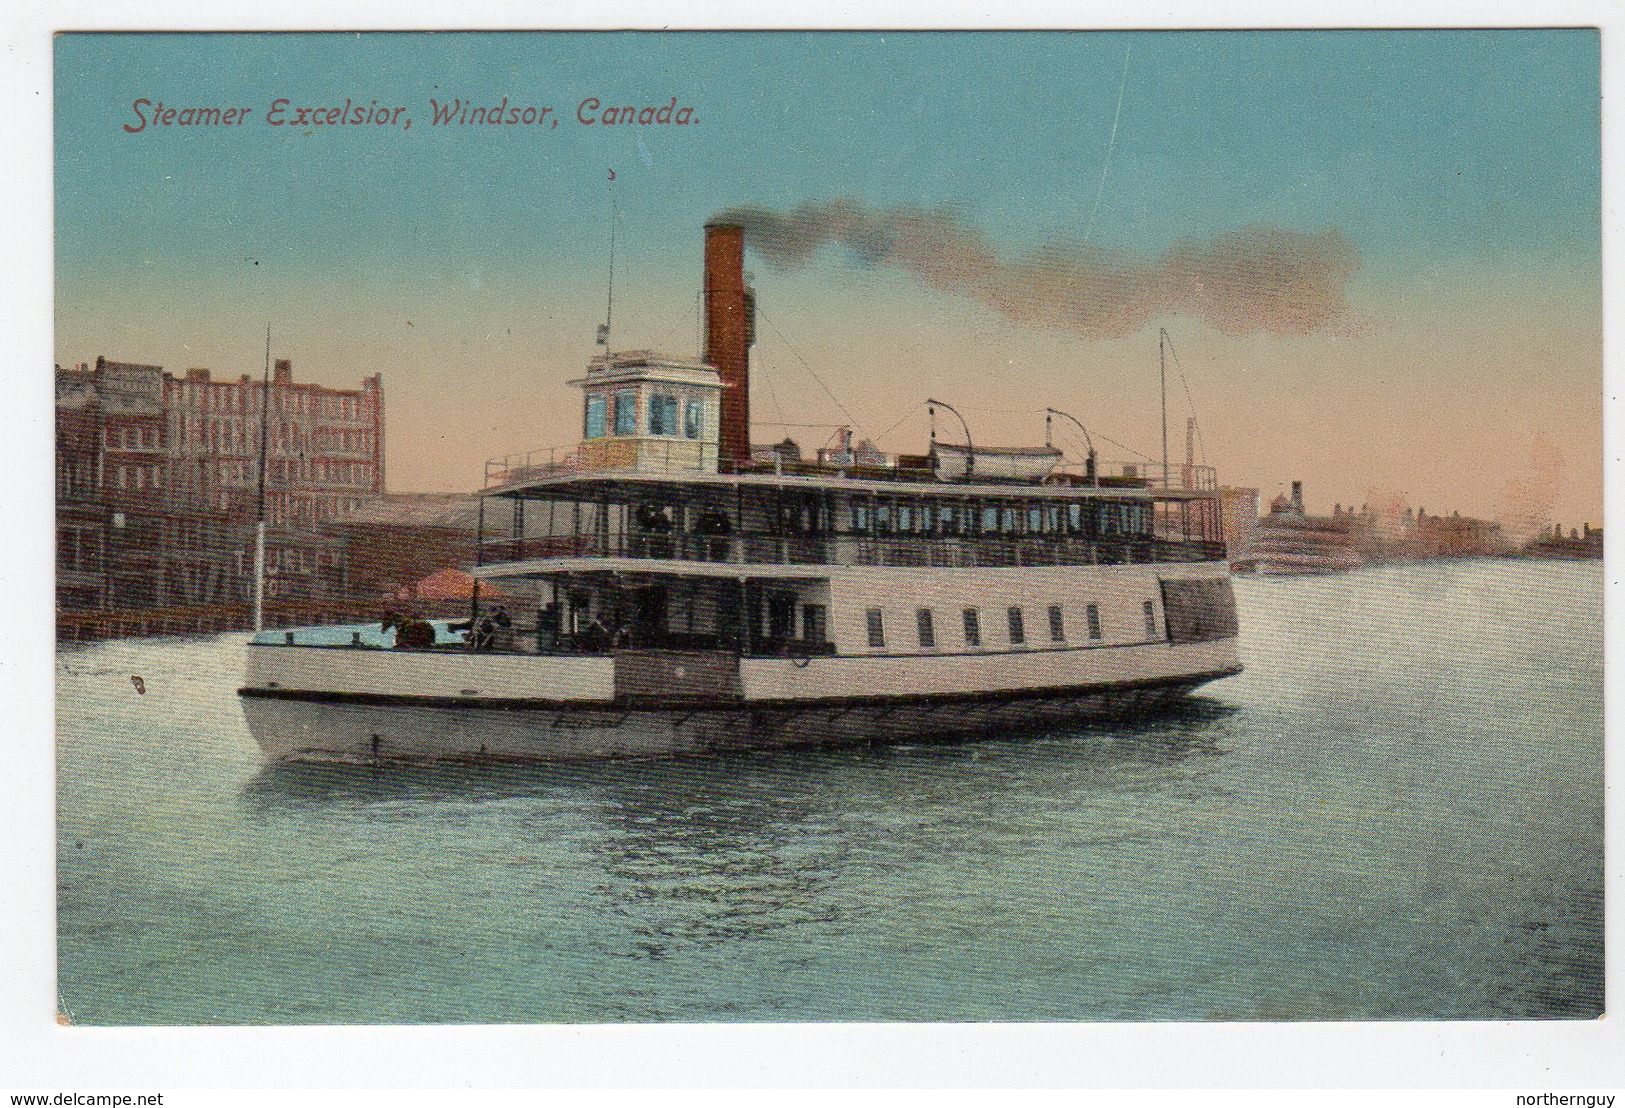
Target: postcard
824	527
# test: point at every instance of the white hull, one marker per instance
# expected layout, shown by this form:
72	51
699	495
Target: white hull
297	730
326	703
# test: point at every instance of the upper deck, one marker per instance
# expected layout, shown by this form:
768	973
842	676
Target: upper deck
562	513
653	479
512	474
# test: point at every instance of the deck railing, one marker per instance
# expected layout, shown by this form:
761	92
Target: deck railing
549	461
1048	550
676	456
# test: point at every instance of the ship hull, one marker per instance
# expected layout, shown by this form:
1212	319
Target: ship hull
349	728
1139	638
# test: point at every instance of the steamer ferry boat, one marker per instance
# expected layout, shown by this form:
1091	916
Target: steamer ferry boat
673	595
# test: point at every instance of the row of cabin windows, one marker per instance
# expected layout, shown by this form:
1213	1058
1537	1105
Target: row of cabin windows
1016	625
1106	517
617	414
958	517
1101	518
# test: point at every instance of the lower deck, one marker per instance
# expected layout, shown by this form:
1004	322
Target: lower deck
640	663
692	679
860	611
374	727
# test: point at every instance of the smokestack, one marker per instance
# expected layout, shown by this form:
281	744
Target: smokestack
728	334
1297	497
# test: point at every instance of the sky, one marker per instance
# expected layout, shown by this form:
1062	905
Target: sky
1376	255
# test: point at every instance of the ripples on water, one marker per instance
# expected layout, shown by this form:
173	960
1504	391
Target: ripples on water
1396	813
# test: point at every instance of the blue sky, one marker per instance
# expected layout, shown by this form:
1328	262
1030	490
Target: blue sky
1465	143
1461	165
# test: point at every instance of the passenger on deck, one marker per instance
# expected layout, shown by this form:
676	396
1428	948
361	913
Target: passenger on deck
547	628
595	639
414	633
483	634
502	632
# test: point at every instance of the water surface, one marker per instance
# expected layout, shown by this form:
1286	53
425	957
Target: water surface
1395	813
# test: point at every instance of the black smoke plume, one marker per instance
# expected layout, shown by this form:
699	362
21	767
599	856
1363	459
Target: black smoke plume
1259	278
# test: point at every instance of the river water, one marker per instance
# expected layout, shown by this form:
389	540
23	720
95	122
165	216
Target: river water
1395	813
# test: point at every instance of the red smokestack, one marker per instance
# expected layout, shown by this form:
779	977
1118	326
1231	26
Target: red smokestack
728	327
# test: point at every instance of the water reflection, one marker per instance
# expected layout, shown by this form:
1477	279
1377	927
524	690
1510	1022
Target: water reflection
688	854
1554	959
1337	847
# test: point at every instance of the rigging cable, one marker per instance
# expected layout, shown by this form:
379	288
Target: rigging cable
850	417
774	393
1040	411
899	422
1120	446
1003	411
1200	442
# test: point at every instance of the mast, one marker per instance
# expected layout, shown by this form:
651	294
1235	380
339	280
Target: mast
259	527
609	308
1162	373
479	560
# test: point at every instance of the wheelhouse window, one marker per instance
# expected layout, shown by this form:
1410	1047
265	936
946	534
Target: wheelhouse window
1057	624
1092	614
693	418
626	413
973	627
928	633
662	414
1018	630
1150	610
597	418
877	627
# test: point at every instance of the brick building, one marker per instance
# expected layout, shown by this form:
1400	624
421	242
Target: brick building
158	483
82	514
324	458
1456	536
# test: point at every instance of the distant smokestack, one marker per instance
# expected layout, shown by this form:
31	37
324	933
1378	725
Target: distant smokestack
1187	477
728	333
1297	497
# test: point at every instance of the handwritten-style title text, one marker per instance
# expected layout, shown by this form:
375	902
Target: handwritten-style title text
149	115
